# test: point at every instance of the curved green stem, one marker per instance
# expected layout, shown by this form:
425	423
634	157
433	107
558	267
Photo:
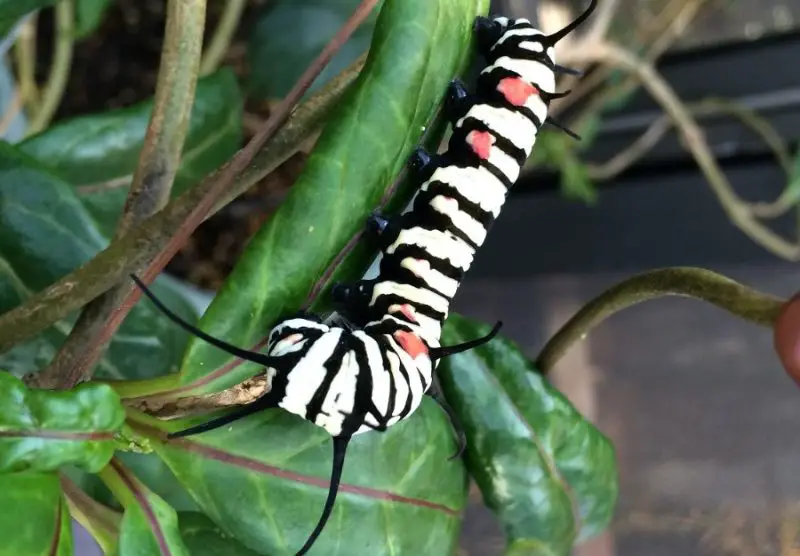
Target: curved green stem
697	283
223	34
59	70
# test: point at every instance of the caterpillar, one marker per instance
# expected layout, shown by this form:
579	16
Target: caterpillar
372	369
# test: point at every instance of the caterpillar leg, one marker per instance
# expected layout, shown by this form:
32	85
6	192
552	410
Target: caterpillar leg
457	101
487	32
421	163
435	392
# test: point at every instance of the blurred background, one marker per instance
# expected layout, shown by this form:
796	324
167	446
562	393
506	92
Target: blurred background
701	413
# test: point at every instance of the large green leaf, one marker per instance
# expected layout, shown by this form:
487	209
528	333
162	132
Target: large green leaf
35	520
11	11
288	35
41	430
149	525
416	50
264	481
547	473
98	153
204	538
45	232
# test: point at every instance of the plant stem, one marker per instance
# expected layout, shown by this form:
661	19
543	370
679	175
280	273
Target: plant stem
59	69
697	283
153	236
152	182
737	210
223	35
25	57
100	521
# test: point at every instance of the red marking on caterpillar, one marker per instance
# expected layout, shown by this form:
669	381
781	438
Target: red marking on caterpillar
408	312
516	90
481	142
411	343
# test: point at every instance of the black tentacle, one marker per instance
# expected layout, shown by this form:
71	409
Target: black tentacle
238	413
339	449
558	35
447	351
247	355
435	392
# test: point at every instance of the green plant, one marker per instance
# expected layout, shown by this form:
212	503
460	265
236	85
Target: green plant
86	201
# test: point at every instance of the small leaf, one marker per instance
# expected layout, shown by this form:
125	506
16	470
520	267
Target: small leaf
45	233
288	35
42	430
545	471
149	525
415	51
89	15
98	153
575	180
204	538
35	519
11	11
264	481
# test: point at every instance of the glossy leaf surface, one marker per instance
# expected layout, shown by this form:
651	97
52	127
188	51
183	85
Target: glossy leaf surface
546	472
98	153
415	52
149	525
264	480
35	519
204	538
45	232
288	35
41	430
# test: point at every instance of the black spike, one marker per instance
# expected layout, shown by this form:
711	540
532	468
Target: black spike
568	71
247	355
563	128
447	351
558	35
339	450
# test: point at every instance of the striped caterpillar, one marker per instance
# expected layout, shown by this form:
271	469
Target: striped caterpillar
372	370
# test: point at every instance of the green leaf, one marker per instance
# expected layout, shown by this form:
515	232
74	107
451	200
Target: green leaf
264	481
545	471
35	520
288	35
41	430
98	153
149	525
415	52
45	232
89	15
575	180
11	11
204	538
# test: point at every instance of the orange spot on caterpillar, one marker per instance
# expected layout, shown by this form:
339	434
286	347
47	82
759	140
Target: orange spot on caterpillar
481	142
408	312
516	90
411	343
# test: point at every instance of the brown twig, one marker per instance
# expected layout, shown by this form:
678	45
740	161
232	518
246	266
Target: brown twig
696	283
737	210
708	107
143	242
152	182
